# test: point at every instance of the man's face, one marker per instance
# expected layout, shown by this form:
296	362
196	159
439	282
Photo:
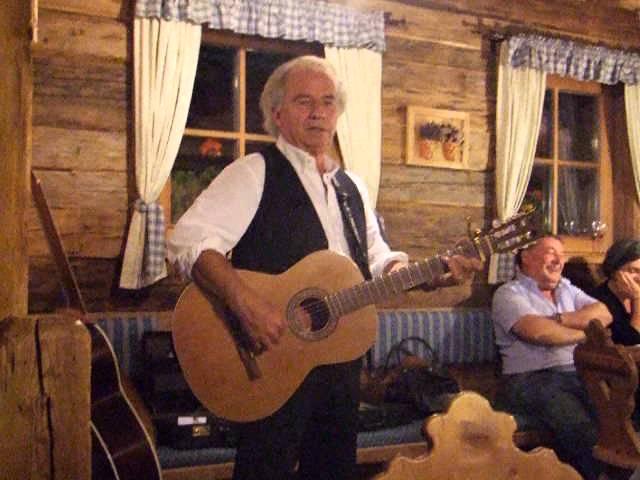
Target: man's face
544	262
309	111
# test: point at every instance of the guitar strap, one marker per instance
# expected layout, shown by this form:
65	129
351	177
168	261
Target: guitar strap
354	239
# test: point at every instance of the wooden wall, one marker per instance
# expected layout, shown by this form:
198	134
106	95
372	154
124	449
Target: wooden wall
440	54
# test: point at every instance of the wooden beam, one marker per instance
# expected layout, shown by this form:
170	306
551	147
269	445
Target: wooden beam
15	152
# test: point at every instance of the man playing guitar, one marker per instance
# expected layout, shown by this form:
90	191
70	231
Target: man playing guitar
271	209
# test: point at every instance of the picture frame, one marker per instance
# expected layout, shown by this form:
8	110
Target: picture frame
437	138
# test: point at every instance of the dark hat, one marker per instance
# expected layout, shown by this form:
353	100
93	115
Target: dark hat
620	253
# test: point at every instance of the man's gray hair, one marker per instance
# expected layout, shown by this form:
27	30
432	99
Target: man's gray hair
273	92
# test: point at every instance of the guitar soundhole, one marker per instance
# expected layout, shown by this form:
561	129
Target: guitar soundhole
309	316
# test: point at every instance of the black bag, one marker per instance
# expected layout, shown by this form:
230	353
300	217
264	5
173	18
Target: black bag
406	378
180	420
385	415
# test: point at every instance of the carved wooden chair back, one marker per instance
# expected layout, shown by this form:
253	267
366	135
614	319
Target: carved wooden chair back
474	442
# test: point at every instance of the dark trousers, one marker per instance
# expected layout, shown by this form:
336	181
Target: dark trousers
315	430
560	401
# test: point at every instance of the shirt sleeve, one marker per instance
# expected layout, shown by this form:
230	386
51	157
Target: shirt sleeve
220	215
509	305
581	299
379	253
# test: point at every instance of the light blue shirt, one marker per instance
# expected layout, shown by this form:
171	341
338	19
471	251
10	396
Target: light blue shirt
521	297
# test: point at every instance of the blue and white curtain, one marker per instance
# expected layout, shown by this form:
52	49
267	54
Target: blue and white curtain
333	25
571	59
310	20
560	57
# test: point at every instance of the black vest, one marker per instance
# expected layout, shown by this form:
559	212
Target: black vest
286	227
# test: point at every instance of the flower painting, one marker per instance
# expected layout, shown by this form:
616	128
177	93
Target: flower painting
437	138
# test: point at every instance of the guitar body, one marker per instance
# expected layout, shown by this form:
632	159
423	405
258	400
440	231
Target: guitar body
121	446
207	348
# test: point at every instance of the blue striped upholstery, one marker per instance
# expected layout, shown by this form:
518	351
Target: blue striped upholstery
125	331
462	335
456	336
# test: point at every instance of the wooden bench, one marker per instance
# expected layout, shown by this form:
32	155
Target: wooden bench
462	339
610	373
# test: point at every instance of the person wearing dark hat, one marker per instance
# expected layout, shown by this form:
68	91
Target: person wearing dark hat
620	292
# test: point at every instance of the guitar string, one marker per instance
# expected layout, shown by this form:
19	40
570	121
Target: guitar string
322	306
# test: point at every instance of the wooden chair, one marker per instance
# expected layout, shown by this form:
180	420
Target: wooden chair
474	442
610	373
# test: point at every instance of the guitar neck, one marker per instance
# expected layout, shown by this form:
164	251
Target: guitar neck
424	272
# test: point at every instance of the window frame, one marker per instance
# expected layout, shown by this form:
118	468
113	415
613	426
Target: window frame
591	249
242	44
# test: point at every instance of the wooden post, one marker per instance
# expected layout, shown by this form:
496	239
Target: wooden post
44	398
15	152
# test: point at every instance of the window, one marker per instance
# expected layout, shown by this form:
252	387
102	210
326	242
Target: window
571	176
224	120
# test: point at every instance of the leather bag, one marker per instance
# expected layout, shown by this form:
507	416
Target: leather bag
410	379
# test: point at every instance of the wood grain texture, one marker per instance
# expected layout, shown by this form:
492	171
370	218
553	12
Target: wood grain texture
66	353
120	9
16	93
486	437
44	373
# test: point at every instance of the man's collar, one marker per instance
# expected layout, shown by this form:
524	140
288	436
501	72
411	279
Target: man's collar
301	159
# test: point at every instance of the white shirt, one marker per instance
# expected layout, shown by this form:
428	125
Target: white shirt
221	214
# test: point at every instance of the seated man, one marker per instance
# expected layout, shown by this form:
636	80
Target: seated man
539	318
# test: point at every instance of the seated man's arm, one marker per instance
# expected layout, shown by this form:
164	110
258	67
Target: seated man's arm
564	329
546	331
580	318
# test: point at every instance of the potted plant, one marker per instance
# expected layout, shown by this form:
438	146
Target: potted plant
430	133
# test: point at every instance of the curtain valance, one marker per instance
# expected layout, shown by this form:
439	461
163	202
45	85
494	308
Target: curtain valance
311	20
576	60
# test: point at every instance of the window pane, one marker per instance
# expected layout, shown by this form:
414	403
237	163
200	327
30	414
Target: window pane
198	162
578	135
214	92
539	193
259	66
252	147
578	201
544	148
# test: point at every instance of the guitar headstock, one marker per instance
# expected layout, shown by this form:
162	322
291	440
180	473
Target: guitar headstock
514	234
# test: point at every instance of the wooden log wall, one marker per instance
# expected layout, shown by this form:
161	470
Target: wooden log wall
44	399
440	54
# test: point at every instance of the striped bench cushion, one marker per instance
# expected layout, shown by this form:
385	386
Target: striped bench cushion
461	335
455	335
125	331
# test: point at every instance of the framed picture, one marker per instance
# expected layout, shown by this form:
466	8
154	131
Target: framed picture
437	138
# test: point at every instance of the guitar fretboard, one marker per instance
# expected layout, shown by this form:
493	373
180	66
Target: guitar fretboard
385	286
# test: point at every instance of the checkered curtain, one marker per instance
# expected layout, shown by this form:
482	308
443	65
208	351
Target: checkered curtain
576	60
309	20
165	60
569	59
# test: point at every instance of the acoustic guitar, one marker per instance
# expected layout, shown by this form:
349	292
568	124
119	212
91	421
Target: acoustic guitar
330	317
121	447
